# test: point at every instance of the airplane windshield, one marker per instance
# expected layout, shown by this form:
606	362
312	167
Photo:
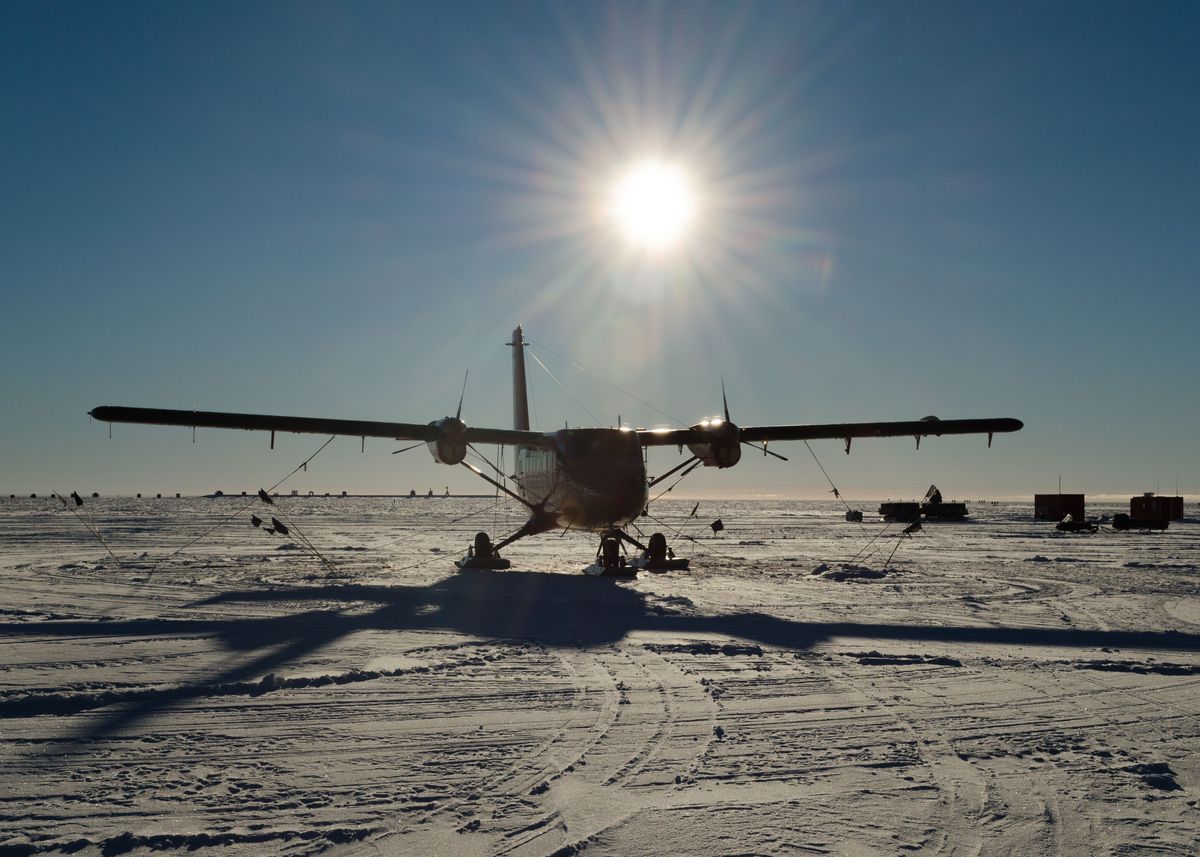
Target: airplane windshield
579	444
603	459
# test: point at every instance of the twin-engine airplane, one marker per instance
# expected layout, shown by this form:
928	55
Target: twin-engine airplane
580	479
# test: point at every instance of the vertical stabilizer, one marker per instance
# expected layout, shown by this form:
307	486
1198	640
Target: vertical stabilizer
520	394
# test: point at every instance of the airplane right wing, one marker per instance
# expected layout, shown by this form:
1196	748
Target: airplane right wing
908	428
705	432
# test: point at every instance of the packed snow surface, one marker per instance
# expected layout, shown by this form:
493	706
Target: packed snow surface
994	687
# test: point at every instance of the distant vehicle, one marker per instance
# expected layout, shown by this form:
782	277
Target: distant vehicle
1121	521
935	507
579	479
900	510
1069	525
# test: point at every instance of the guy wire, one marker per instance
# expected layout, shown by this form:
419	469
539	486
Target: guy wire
595	418
608	383
91	528
239	510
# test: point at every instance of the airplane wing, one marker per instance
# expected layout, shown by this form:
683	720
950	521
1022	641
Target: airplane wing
840	431
311	425
909	428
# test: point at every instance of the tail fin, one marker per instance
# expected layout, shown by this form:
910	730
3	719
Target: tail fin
520	394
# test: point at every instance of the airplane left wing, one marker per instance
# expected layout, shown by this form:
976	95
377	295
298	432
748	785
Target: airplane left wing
312	425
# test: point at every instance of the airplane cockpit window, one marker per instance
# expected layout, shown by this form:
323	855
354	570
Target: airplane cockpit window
596	455
590	443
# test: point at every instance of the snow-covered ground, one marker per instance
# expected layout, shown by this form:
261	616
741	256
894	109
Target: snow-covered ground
1000	689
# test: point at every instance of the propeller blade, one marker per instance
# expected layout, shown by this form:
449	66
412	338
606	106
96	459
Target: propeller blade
458	413
407	448
724	401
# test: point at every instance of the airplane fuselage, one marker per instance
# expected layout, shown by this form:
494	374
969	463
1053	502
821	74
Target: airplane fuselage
593	478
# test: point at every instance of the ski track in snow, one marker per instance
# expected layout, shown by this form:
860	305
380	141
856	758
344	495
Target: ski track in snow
1003	689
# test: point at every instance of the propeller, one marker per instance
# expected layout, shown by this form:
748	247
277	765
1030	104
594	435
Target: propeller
440	424
763	448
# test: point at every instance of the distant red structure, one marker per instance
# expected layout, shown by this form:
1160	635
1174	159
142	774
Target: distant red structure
1149	507
1055	507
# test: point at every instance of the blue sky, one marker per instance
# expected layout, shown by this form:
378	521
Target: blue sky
336	209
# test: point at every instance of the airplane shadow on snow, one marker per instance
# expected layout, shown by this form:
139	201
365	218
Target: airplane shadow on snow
553	610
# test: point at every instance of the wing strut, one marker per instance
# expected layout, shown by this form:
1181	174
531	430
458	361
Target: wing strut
674	469
510	493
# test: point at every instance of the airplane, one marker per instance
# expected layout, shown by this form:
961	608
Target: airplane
587	479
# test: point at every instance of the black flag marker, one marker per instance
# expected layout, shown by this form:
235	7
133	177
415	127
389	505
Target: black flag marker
255	520
75	496
279	528
717	526
914	527
265	497
692	514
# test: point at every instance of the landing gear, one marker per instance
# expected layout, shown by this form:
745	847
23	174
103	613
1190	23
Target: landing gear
482	554
610	561
659	558
655	557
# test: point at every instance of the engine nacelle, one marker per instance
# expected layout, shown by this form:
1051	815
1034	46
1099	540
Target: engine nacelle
720	444
451	445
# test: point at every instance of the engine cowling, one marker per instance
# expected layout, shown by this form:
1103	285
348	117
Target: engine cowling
450	447
718	443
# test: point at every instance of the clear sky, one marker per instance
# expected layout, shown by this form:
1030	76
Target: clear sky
961	209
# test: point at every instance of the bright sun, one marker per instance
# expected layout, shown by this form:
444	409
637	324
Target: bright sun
654	204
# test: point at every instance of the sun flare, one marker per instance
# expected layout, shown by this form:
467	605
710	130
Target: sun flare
654	205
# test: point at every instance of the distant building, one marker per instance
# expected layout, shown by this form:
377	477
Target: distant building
1055	507
1149	507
